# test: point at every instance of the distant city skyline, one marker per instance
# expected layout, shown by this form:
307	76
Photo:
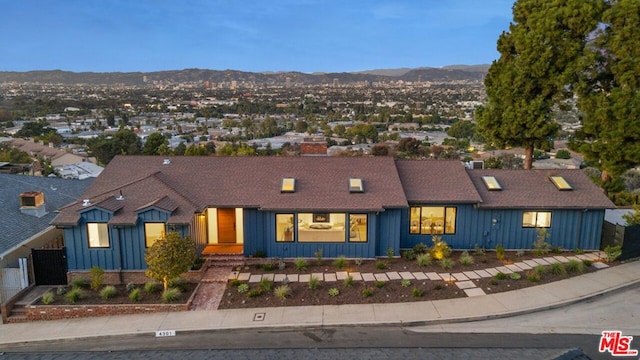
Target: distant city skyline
275	35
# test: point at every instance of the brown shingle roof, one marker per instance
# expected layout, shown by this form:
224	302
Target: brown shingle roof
532	189
435	181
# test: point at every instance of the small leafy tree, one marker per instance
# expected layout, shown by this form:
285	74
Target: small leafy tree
169	257
633	218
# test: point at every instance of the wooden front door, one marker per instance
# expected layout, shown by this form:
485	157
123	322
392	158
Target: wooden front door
226	226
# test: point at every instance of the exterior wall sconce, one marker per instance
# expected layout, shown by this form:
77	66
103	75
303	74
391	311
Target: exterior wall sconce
494	221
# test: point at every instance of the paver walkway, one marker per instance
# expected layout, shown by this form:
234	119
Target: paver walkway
213	284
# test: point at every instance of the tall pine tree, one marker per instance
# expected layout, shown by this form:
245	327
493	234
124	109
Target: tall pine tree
609	93
538	59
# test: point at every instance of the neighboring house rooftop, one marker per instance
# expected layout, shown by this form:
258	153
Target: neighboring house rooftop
533	189
15	226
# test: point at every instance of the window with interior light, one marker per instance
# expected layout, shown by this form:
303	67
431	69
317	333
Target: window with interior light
98	234
536	219
432	220
284	227
153	232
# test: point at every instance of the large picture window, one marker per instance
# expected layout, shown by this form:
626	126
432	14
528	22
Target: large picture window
432	220
536	219
284	227
322	227
153	232
98	234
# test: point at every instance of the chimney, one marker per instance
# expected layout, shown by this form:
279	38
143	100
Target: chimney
32	203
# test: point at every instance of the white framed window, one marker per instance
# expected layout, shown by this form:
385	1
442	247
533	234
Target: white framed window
98	234
536	219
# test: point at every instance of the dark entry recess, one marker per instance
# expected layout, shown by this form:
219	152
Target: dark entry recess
49	266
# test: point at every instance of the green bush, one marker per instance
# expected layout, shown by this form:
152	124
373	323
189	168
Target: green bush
613	252
300	264
151	287
420	248
424	259
379	284
108	292
266	284
416	292
541	245
79	283
178	283
313	282
234	282
134	295
493	281
333	292
61	290
500	255
282	291
500	276
381	265
171	295
540	270
438	286
446	263
409	254
367	291
48	298
558	269
255	292
465	259
575	266
97	277
130	286
515	276
318	255
533	276
587	263
268	266
405	283
243	288
440	248
348	281
74	295
479	251
390	253
563	154
340	262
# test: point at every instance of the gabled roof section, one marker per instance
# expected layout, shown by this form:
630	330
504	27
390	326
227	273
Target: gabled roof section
164	203
532	189
436	182
109	204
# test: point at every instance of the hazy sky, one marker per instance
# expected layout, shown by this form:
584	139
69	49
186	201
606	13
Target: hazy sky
248	35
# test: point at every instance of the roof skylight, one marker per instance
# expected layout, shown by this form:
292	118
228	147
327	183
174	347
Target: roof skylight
492	183
288	185
355	185
560	183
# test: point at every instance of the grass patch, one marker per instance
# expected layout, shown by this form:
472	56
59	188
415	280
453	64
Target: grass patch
108	292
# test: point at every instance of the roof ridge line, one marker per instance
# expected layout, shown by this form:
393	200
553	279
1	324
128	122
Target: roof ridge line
155	175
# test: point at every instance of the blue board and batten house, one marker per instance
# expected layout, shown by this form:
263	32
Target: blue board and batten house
292	207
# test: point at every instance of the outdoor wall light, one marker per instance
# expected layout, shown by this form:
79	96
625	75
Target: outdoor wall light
494	221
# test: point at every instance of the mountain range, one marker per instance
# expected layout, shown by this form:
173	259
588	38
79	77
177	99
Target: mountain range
473	73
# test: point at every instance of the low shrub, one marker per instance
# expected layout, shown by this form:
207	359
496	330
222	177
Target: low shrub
367	291
465	259
587	262
73	295
265	284
557	269
520	253
515	276
438	286
79	283
440	249
390	253
134	295
234	282
340	262
575	266
424	259
61	290
151	287
379	284
540	270
479	251
97	277
500	252
243	288
255	292
420	248
268	266
500	276
556	250
171	295
178	284
282	291
613	252
381	265
348	281
333	292
130	286
108	292
533	276
405	283
446	263
300	264
409	254
313	282
578	251
493	281
282	265
48	298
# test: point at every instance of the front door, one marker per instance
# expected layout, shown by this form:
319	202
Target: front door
226	226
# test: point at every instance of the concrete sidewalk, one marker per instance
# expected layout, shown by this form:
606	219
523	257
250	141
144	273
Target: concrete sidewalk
536	298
